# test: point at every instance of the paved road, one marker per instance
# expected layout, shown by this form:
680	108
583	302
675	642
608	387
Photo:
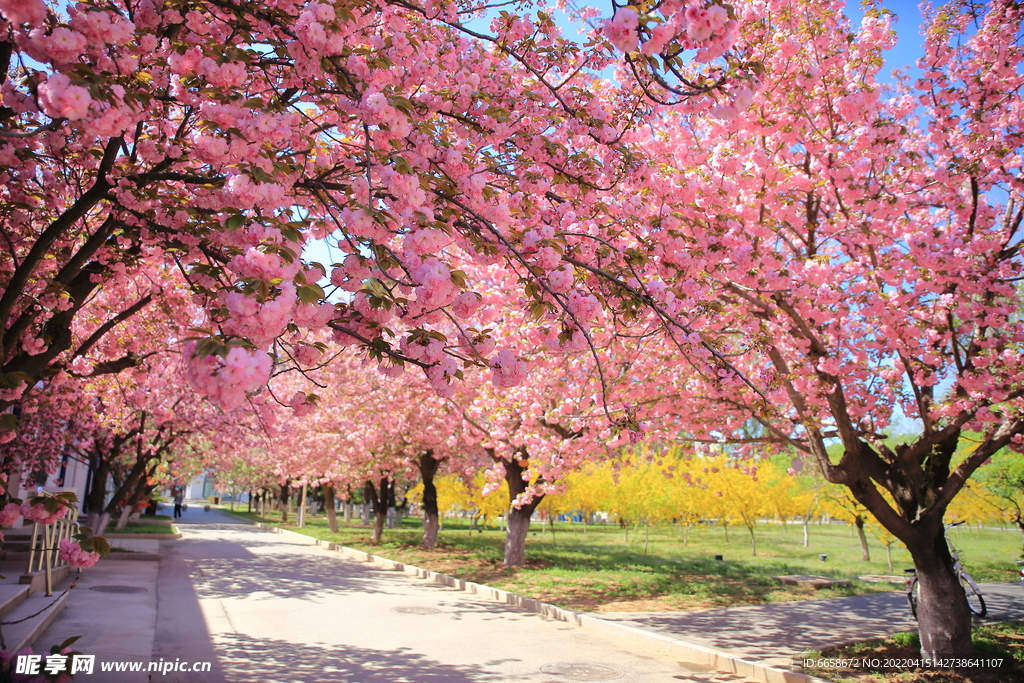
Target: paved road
268	607
260	606
775	634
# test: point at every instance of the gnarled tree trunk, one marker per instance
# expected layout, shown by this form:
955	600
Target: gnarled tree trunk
865	554
332	517
943	617
518	517
379	499
428	465
285	488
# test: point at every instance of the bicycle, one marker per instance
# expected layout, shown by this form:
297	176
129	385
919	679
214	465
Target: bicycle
1020	571
975	601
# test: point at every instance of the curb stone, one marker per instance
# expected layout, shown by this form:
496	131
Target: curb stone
133	555
150	537
675	647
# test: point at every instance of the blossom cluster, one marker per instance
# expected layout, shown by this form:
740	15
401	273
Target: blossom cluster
73	553
227	381
38	513
706	28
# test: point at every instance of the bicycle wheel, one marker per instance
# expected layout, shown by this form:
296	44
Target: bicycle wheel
974	599
912	598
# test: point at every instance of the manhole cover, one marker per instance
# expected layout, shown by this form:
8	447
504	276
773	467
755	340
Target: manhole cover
577	671
119	589
415	610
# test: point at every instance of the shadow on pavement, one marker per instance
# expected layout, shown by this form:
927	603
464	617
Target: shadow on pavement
181	630
783	628
249	659
1005	601
270	577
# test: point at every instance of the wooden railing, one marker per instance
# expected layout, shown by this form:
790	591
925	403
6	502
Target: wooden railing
44	549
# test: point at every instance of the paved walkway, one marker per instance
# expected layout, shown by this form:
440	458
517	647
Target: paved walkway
775	634
261	606
271	607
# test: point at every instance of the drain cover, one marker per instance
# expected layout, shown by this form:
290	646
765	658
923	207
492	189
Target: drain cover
415	610
578	671
119	589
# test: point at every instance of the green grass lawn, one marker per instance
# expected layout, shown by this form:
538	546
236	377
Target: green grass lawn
601	569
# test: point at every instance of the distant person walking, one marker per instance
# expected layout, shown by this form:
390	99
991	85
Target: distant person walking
179	498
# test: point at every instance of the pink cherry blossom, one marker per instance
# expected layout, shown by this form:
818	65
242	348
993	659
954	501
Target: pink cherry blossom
61	100
9	515
19	12
621	29
72	553
37	513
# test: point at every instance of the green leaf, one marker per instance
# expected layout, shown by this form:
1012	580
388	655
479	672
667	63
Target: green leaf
402	166
101	545
8	422
67	643
12	380
310	294
234	222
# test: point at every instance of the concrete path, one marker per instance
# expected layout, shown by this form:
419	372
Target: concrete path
267	607
260	606
113	608
776	634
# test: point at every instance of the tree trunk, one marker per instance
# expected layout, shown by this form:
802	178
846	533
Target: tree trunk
378	499
102	520
379	518
865	554
428	466
888	555
97	494
284	500
807	522
122	519
332	518
753	542
518	517
943	617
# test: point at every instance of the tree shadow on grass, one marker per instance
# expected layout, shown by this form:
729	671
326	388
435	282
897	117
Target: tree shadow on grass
246	659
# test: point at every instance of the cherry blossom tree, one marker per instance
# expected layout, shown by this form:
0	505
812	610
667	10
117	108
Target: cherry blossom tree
538	432
216	138
840	250
335	422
